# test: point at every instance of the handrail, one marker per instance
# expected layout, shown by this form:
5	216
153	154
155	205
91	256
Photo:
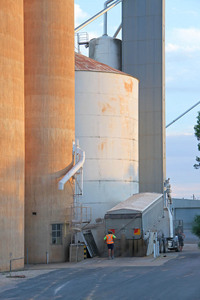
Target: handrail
105	17
12	259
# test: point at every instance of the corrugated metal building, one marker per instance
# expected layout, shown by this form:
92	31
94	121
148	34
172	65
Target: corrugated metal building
143	56
186	210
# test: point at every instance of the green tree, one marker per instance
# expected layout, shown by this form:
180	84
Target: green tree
196	227
197	134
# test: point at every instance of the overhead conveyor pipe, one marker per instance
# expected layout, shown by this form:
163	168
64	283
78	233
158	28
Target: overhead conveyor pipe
117	31
105	17
97	15
183	114
74	170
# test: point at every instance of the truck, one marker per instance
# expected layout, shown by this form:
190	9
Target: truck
141	223
173	243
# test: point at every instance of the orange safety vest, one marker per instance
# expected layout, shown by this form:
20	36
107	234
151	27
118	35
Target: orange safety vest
109	239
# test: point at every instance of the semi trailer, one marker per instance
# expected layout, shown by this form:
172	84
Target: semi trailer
141	224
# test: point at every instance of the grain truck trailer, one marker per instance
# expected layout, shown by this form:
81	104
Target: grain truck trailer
138	223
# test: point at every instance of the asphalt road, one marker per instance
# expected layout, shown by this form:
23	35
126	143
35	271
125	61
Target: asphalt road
178	278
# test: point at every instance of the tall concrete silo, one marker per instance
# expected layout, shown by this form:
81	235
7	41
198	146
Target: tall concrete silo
106	124
12	134
143	47
49	126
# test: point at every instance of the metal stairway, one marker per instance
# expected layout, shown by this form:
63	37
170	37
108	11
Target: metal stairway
90	243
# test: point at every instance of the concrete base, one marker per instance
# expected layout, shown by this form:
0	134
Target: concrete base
76	252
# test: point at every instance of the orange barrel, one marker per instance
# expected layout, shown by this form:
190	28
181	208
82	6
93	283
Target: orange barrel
49	126
11	134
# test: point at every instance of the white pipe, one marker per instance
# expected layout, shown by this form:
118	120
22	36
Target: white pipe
97	15
105	17
73	170
171	228
154	249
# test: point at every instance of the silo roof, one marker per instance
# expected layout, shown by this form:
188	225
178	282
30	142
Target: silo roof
84	63
137	202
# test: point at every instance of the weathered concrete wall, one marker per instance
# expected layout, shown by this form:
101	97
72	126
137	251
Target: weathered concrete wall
49	123
143	46
12	133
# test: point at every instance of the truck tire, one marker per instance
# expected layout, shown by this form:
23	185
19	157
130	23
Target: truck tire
165	247
161	247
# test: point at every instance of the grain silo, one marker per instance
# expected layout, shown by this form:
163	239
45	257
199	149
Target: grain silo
106	124
107	50
49	126
12	135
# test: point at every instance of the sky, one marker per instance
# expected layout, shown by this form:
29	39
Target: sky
182	78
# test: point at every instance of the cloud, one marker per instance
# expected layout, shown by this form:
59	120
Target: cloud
93	32
188	35
178	134
186	191
183	58
79	15
186	13
169	79
181	150
172	47
184	40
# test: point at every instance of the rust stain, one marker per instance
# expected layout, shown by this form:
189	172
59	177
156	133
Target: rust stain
113	99
123	105
102	146
111	126
128	86
121	99
106	107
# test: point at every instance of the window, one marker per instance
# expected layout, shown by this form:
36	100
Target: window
57	234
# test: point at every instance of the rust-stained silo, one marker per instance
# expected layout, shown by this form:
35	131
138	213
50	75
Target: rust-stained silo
49	126
107	128
12	134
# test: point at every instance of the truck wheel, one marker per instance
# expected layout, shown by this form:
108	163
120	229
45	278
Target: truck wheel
161	247
165	248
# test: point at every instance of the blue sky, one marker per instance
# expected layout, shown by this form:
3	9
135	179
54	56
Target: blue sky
182	63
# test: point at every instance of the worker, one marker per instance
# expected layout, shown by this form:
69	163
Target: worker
181	237
109	238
